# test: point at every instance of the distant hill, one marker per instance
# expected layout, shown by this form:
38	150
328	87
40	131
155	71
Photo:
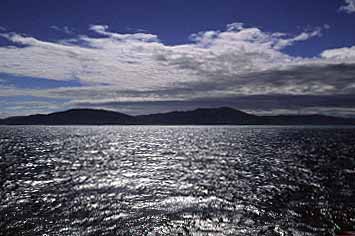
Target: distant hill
72	117
201	116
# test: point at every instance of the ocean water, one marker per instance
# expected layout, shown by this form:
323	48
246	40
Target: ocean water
154	180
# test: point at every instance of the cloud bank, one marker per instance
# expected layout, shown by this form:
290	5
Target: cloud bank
138	73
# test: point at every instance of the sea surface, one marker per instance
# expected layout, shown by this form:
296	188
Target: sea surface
160	180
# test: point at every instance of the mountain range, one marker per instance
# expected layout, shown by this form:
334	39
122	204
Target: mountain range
201	116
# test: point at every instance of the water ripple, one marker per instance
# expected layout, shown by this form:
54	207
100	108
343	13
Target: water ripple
176	180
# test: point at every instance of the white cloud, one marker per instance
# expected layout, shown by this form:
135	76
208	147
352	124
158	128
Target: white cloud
282	43
139	67
64	29
237	26
140	58
103	30
349	7
340	54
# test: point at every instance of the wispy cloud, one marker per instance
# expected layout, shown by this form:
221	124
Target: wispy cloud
144	37
64	29
349	7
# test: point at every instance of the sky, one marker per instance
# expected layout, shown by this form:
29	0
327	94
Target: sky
141	57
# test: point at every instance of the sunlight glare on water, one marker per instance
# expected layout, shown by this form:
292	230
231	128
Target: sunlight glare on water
205	180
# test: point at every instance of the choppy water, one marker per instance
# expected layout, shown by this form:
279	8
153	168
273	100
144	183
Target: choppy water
176	180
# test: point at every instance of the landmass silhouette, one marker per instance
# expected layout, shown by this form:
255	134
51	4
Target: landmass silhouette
200	116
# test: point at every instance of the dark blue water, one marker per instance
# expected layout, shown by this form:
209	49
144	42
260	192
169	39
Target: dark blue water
145	180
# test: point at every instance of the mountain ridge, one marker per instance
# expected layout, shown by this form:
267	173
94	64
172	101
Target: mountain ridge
199	116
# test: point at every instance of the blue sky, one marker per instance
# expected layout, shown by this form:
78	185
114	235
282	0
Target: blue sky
152	56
